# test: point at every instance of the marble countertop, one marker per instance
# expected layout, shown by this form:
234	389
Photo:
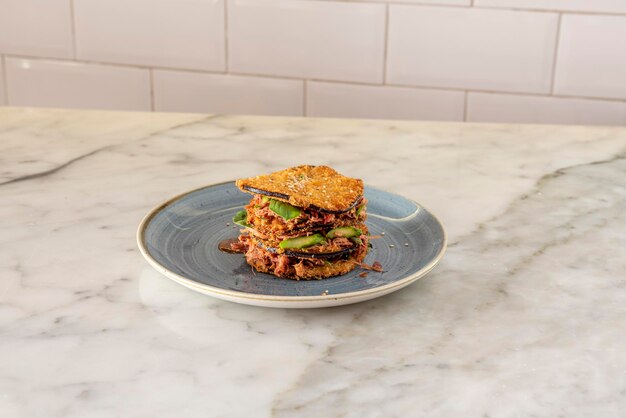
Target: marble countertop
524	317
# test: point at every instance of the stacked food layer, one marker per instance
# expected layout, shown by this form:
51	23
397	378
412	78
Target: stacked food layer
305	222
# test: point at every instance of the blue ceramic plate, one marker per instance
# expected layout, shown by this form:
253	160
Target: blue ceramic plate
180	239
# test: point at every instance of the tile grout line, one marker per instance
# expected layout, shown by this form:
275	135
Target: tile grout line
226	57
151	72
73	28
386	44
556	54
352	83
5	79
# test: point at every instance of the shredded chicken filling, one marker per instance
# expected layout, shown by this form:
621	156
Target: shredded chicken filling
269	225
287	266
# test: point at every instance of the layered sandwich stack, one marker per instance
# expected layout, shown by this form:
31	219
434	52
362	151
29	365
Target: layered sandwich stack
305	222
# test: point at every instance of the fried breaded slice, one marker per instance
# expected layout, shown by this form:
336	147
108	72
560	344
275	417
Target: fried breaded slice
319	187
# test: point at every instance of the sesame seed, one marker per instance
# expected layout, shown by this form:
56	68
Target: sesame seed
391	245
406	244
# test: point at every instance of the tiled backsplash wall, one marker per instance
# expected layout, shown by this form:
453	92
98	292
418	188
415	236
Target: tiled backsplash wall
539	61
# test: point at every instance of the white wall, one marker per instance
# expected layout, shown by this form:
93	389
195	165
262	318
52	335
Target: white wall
543	61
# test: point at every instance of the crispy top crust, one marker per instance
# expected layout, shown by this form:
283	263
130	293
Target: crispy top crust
306	185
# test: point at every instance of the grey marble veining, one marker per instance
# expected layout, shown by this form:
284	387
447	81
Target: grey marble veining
524	317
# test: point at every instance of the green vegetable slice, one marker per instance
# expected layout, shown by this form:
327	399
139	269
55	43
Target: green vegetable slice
284	210
302	242
344	231
356	240
241	218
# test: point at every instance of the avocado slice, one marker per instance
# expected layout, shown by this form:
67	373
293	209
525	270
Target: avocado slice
284	210
303	254
334	254
344	231
302	242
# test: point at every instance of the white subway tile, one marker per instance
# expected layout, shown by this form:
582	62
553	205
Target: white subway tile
471	48
606	6
166	33
435	2
426	2
383	102
216	93
592	56
75	85
36	27
310	39
506	108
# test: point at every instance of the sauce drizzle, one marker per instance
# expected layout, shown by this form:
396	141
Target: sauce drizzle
225	247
